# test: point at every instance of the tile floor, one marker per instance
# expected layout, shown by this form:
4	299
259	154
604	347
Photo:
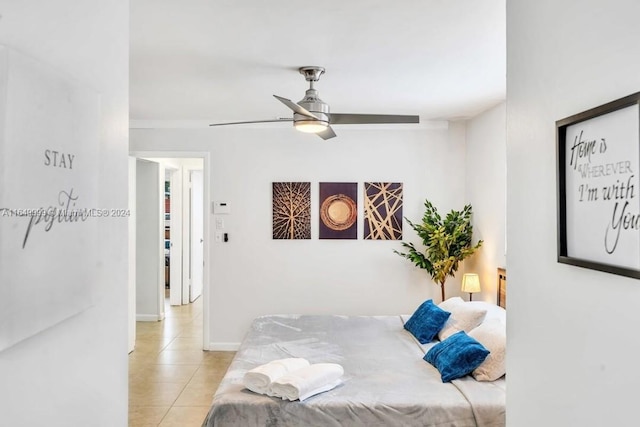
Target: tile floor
171	380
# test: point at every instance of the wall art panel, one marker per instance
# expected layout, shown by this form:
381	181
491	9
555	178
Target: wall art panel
383	211
338	210
292	210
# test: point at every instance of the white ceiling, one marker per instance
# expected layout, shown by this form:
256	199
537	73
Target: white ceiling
222	60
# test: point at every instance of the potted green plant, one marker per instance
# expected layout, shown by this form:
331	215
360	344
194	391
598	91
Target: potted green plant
447	242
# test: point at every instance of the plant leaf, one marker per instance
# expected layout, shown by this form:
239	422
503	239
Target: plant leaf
447	242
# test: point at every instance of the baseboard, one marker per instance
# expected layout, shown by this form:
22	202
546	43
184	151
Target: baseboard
147	318
224	346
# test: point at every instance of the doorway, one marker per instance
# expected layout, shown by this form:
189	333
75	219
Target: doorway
184	223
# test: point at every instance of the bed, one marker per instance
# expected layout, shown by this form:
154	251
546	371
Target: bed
386	381
502	287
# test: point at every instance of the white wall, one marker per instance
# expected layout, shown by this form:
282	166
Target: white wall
75	373
486	190
253	274
177	163
573	347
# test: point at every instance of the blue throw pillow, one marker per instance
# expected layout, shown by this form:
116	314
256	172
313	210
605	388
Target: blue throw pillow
456	356
427	321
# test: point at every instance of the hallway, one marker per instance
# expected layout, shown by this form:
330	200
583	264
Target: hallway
171	380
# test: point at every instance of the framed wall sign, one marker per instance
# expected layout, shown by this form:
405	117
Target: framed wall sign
598	154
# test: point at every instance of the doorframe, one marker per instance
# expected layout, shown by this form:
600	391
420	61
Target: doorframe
132	258
206	170
192	223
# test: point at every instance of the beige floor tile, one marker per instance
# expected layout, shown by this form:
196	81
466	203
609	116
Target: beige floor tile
152	339
148	348
180	357
141	354
192	332
185	343
168	322
181	315
218	359
147	325
152	393
196	394
177	322
171	380
142	327
172	331
149	335
187	416
197	318
146	416
138	362
221	355
164	373
207	375
168	332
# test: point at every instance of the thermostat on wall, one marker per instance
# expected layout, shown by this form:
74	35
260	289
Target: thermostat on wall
221	208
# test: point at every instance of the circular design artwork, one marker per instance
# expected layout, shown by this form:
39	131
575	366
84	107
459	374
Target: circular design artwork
338	212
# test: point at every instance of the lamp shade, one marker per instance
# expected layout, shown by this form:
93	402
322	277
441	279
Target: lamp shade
470	283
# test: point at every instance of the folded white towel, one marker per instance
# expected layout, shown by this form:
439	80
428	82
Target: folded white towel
306	382
258	379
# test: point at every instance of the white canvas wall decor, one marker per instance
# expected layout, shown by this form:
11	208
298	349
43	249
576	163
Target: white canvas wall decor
598	178
49	147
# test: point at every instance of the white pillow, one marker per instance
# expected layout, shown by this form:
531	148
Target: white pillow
493	310
464	317
492	334
447	305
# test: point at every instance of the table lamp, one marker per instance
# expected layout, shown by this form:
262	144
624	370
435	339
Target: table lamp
471	284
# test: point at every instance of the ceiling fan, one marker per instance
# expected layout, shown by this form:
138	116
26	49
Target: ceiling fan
312	115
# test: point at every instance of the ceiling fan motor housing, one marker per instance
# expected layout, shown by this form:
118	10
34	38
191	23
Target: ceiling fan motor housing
312	103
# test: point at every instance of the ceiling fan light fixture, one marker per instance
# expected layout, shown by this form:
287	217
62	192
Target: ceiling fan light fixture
310	126
311	114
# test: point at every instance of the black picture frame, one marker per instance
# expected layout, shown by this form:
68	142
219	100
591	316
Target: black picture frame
588	201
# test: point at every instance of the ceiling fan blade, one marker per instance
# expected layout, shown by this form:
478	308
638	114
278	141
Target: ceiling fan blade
328	133
295	107
354	119
252	121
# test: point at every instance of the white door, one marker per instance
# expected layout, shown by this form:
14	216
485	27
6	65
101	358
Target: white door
149	241
197	234
174	233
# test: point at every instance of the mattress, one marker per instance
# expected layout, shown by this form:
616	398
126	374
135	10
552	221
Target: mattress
386	382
